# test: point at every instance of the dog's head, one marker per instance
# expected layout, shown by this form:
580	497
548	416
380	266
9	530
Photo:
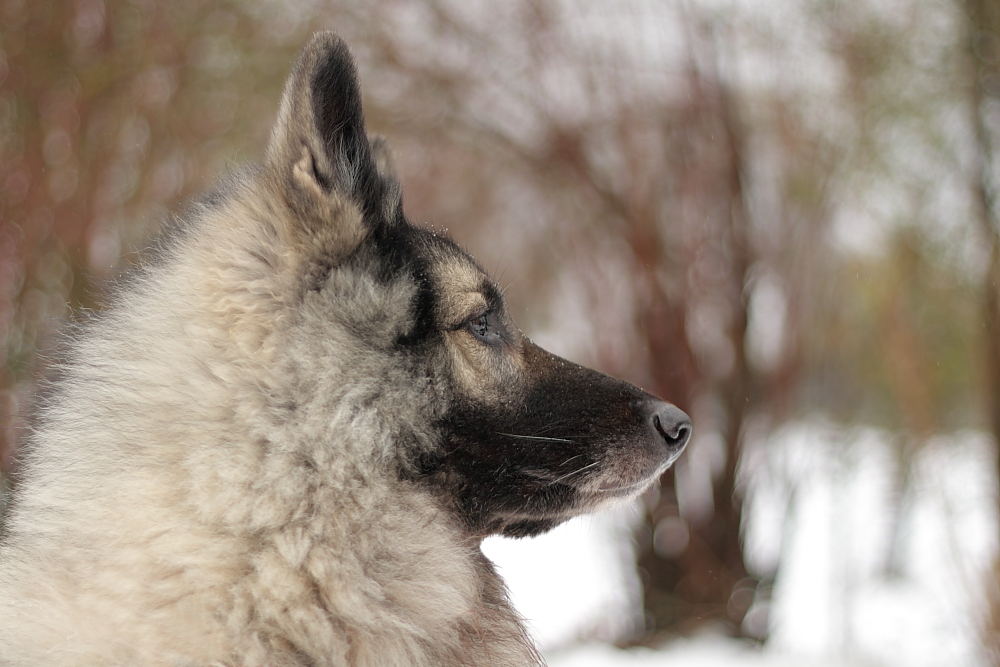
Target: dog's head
512	438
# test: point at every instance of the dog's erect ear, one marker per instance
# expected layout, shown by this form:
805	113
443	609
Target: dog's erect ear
319	149
383	156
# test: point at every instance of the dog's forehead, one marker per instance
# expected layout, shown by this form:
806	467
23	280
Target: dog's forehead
457	277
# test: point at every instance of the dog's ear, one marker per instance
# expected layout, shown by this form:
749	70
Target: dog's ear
383	156
319	149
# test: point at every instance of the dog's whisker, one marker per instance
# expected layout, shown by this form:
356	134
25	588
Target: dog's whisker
535	437
554	424
574	472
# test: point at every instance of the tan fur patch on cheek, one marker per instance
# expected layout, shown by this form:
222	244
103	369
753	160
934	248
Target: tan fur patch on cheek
483	373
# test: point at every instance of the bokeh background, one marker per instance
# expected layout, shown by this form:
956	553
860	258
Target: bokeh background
779	215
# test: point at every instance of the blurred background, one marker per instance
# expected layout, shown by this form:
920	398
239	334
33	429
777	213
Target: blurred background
782	216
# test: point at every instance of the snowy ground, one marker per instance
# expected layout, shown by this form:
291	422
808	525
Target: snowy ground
871	570
705	651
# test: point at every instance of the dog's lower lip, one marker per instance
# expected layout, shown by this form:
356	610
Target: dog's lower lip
640	484
625	487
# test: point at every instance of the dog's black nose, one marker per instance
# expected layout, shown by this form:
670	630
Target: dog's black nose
672	426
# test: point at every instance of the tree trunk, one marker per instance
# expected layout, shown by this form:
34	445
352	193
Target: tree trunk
984	43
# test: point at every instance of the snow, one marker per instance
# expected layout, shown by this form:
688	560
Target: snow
704	651
577	581
880	548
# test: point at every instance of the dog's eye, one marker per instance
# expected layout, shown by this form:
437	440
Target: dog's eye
480	325
484	327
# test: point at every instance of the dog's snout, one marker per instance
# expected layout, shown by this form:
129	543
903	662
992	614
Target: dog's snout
672	427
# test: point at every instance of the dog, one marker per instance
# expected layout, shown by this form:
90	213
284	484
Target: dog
284	439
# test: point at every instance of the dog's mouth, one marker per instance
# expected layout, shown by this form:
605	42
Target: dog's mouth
540	497
593	485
